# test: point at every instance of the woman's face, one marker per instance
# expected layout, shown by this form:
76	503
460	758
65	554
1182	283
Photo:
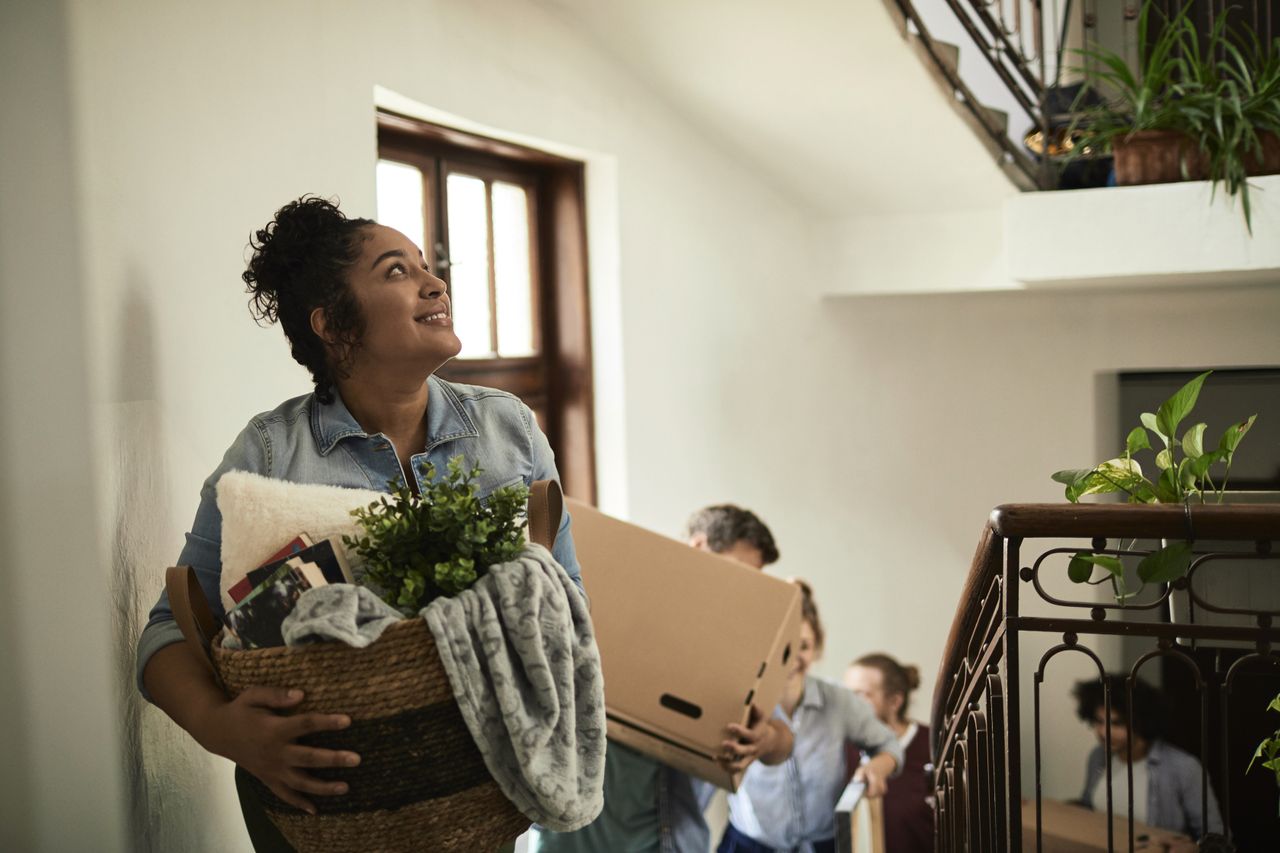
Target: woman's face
806	653
408	321
868	682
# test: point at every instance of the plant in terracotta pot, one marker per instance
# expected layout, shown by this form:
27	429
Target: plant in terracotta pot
1151	118
1195	108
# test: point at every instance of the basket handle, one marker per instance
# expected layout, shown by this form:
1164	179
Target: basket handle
546	505
191	611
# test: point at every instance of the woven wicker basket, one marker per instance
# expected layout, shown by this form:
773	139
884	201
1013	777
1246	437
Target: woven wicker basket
421	784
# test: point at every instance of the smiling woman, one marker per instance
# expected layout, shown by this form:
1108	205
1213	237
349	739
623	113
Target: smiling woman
368	319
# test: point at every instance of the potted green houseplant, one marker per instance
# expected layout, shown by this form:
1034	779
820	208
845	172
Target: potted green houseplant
1188	472
1194	108
417	548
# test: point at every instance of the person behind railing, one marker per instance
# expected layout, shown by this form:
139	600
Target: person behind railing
791	807
650	807
908	814
1166	779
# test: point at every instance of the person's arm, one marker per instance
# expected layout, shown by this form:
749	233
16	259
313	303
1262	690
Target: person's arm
765	739
248	730
863	728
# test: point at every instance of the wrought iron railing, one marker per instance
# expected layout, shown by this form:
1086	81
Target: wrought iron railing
1033	48
1017	600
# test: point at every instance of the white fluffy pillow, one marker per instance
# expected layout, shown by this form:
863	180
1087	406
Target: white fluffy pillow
261	515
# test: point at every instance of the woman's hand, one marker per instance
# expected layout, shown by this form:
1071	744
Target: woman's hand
249	731
875	774
764	738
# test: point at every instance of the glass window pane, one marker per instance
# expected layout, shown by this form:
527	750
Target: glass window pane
400	200
512	267
469	263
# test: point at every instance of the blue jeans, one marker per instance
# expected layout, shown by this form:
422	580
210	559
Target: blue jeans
736	842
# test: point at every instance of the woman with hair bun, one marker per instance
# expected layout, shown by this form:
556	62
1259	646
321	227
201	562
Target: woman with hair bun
908	814
372	324
790	808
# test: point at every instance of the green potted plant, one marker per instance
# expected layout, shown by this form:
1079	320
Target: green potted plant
1188	472
417	548
1193	108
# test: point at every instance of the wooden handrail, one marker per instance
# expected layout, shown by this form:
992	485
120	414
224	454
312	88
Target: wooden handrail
1141	521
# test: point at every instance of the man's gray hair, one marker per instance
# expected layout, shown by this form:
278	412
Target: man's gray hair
726	524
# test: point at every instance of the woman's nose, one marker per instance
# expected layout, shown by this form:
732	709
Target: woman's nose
433	287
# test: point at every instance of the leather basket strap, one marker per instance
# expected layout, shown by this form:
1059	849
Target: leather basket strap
546	505
191	611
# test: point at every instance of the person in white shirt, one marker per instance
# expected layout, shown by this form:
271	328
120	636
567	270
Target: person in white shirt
790	808
1167	781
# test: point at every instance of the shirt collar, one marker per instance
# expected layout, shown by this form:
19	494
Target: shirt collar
812	697
447	420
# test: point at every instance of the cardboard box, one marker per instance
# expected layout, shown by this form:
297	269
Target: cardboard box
688	640
1074	829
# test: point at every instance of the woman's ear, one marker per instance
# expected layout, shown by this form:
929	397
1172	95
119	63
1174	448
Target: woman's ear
320	325
895	705
699	541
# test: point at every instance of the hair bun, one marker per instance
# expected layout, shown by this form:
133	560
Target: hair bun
913	677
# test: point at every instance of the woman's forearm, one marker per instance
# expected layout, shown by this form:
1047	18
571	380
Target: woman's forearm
184	688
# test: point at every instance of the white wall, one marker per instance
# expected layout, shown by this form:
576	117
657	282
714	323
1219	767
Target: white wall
59	721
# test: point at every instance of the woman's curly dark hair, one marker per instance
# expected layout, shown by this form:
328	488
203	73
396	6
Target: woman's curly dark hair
299	263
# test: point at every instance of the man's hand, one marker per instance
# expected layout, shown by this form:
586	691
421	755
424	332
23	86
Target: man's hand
248	731
764	738
875	774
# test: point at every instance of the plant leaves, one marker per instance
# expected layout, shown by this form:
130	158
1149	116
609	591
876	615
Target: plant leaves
1200	467
1177	407
1193	441
1167	491
1071	476
1137	440
1169	563
1149	421
1232	437
1115	475
1164	459
1080	569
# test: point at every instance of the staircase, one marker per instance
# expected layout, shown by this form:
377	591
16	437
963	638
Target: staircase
990	125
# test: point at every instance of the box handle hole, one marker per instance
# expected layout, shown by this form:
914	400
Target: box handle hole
680	706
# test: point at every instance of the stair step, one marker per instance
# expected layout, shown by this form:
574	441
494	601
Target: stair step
899	19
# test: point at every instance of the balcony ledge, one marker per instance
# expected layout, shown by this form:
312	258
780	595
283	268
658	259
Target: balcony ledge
1160	235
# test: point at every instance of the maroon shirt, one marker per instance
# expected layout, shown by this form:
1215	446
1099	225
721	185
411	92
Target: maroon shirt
908	815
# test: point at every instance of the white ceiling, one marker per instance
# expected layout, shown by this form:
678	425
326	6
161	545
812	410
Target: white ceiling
823	96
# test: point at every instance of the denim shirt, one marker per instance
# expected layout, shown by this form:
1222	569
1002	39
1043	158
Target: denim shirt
306	441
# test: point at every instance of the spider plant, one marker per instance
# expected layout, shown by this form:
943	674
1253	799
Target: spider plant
1221	93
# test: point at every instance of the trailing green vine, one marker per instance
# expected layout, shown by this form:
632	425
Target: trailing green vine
1186	474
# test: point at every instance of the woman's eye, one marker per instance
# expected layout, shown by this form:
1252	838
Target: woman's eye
396	269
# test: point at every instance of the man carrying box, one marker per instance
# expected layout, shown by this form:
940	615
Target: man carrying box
652	808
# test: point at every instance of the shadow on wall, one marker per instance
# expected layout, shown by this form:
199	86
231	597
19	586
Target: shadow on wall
170	781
